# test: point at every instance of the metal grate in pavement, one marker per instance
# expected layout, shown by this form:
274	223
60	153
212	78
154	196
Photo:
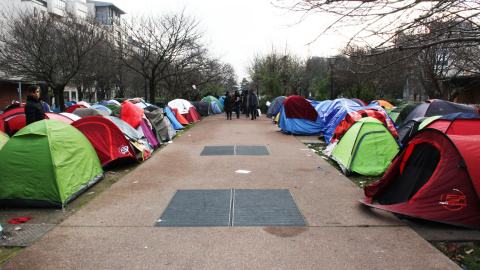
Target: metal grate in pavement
235	207
27	235
197	208
218	151
251	150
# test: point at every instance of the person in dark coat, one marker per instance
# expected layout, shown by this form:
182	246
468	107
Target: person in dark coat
253	103
229	103
238	102
34	110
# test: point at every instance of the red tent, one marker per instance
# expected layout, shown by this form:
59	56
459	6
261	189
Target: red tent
457	124
14	120
192	116
436	177
108	140
73	107
180	117
131	114
299	107
352	117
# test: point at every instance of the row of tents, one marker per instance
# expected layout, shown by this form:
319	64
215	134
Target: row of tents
426	155
51	162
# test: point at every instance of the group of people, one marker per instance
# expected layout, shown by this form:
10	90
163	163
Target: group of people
248	101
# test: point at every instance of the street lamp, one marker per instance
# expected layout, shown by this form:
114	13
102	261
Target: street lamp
331	62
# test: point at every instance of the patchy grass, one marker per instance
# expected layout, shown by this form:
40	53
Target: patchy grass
8	252
465	254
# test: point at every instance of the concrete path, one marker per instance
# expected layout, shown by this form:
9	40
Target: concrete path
116	230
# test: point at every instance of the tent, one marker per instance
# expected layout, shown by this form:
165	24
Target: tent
204	108
137	140
358	101
439	107
332	114
3	139
457	124
82	112
14	120
215	108
408	128
107	139
72	108
162	124
112	107
352	117
54	163
186	109
72	116
367	148
398	114
383	103
435	177
171	116
180	117
129	113
299	117
275	106
84	104
110	102
212	98
102	108
150	132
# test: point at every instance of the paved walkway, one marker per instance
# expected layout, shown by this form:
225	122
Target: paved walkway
116	230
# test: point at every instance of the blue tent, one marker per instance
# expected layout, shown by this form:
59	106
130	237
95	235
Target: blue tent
222	100
299	120
274	108
176	125
336	111
101	107
215	108
324	104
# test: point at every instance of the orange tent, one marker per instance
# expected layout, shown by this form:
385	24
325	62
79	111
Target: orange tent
384	103
180	117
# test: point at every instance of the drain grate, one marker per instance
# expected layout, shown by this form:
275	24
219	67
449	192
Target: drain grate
252	150
218	151
234	150
266	208
197	208
27	235
235	207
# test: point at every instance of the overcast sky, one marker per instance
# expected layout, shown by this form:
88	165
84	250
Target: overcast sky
238	30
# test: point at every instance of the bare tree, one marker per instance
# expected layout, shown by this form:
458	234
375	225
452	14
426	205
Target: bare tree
377	24
51	49
157	44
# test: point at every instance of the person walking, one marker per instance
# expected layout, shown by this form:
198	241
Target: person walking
229	103
247	103
34	110
238	102
253	102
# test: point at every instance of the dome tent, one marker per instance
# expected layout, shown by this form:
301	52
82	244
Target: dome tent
435	177
367	148
54	163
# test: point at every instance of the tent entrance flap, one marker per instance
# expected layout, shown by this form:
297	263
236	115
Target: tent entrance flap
418	169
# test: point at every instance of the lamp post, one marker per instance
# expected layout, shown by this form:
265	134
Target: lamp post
331	62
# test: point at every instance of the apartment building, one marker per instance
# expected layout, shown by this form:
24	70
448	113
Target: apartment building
106	14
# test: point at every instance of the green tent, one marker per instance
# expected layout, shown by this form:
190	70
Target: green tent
212	98
3	139
47	163
401	112
367	148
